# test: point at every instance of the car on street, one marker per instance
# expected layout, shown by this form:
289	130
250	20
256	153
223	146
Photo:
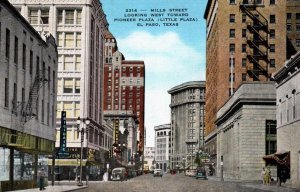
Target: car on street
201	173
118	174
157	173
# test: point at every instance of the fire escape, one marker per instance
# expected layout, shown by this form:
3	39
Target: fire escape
257	41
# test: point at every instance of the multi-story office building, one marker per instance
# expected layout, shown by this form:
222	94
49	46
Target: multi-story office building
78	28
187	122
248	45
288	115
28	78
124	94
162	146
293	27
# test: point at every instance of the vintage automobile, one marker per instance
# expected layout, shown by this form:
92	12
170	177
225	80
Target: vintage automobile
201	173
157	173
118	174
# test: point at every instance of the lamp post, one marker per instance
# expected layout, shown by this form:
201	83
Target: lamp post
85	122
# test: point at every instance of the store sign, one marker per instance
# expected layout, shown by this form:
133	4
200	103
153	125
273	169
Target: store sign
74	153
63	136
116	130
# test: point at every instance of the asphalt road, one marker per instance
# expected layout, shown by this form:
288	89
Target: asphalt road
180	183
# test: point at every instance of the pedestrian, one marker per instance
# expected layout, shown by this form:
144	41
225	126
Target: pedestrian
268	176
263	174
41	175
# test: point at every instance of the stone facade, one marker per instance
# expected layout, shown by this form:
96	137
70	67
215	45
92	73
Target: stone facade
187	121
162	146
288	113
28	77
241	135
228	25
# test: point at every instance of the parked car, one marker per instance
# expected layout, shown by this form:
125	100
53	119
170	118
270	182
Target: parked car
118	174
157	173
201	173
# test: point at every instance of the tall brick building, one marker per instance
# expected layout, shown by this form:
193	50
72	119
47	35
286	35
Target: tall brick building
124	87
245	42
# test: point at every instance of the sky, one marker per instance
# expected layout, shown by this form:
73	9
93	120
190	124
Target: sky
171	43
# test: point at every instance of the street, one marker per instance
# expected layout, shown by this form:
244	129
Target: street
179	183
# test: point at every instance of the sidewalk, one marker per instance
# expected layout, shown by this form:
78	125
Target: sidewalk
258	185
59	186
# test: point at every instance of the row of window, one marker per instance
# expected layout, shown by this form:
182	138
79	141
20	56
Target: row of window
289	16
289	27
244	48
272	18
244	33
244	62
72	109
68	85
69	62
233	2
67	17
69	39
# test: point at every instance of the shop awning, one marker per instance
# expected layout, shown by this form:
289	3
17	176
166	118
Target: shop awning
279	158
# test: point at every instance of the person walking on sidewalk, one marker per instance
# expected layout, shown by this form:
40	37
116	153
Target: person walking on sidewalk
268	176
41	175
263	176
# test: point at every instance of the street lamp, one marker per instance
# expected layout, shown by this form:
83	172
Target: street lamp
121	146
83	129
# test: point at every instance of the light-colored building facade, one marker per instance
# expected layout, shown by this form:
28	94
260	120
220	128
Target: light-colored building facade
162	146
245	42
149	158
288	114
187	122
246	126
77	26
28	78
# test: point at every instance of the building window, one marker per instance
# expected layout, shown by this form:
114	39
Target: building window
45	16
59	39
244	48
297	16
232	48
272	48
77	85
232	33
78	39
232	2
232	18
272	62
244	33
60	17
272	2
68	106
77	109
77	62
288	16
233	62
68	63
244	62
272	33
231	93
6	95
69	39
297	26
272	19
78	17
244	76
288	27
16	57
244	17
271	133
30	62
69	17
68	85
33	16
297	42
7	43
231	76
24	57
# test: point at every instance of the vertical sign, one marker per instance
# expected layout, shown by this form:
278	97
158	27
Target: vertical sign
116	130
63	135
